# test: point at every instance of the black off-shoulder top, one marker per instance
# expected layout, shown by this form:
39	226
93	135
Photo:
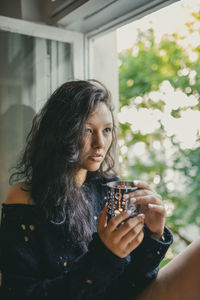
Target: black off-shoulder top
38	261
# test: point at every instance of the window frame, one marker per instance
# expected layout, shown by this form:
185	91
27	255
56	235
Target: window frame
76	39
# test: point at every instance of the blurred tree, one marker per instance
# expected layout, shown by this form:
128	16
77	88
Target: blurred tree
159	87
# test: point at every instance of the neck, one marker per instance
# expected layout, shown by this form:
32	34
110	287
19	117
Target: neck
81	176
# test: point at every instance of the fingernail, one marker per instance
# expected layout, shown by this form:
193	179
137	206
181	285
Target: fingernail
133	200
126	196
151	205
141	215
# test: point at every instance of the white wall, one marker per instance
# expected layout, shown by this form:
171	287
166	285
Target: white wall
103	66
104	63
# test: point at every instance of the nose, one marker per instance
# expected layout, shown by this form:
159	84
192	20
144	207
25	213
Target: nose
98	140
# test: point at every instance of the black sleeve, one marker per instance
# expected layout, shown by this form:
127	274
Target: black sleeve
143	266
88	277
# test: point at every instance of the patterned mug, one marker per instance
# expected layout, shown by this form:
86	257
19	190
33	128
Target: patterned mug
116	198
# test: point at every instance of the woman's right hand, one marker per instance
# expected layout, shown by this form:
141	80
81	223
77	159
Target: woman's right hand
124	239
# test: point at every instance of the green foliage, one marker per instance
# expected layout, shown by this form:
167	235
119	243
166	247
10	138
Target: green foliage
143	69
164	262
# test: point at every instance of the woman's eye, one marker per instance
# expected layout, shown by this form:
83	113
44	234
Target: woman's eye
108	129
88	130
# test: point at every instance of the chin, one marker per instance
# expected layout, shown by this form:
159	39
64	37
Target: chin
94	167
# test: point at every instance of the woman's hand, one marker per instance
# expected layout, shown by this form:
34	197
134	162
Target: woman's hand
124	239
151	206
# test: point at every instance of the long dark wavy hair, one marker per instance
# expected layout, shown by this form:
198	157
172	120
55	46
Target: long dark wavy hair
51	157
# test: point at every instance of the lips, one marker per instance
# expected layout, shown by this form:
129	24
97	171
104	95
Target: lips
96	157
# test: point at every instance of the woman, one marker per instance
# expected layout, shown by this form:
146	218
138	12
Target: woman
56	242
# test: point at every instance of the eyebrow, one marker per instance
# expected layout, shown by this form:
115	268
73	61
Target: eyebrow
107	124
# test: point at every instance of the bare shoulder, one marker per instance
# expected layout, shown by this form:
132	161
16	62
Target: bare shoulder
17	194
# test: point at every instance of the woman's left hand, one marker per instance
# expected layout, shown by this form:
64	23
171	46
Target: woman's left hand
151	206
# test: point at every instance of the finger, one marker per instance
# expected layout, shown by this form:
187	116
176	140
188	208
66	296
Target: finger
141	184
144	200
129	225
103	218
131	235
115	221
135	242
157	208
136	193
143	192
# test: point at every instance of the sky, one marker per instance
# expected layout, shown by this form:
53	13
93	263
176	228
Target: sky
166	20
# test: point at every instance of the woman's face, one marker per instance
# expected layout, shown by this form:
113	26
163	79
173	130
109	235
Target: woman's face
98	137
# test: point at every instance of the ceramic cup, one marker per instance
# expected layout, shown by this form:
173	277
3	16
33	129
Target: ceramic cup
116	198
